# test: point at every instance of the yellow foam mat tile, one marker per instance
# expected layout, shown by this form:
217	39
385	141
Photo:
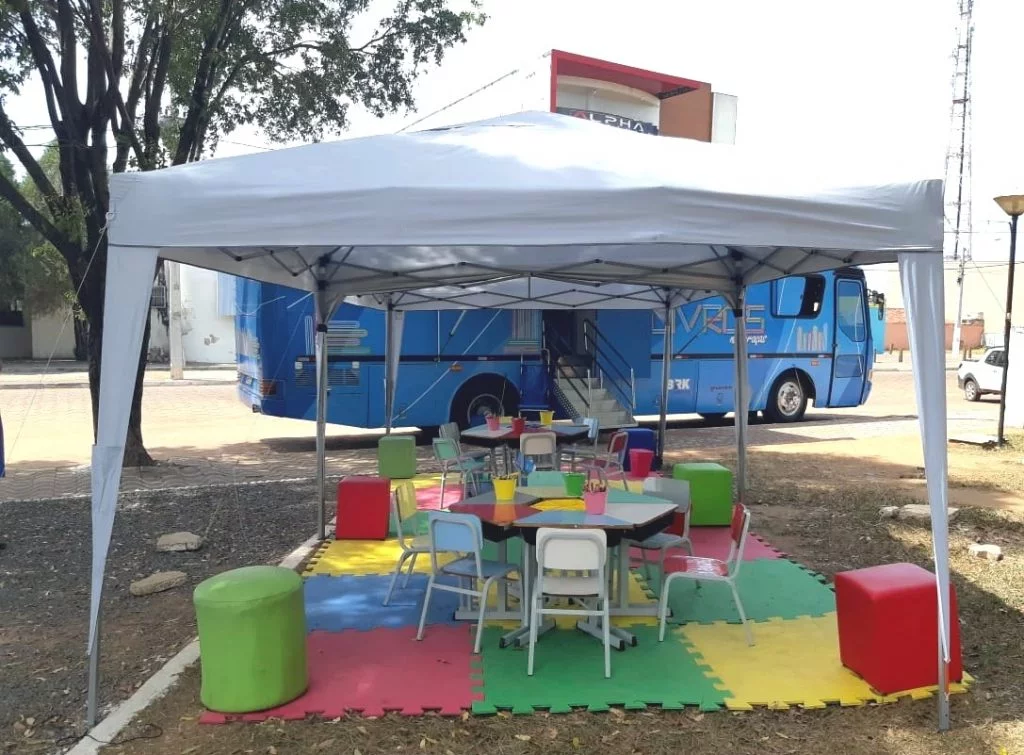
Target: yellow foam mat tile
637	596
794	662
337	557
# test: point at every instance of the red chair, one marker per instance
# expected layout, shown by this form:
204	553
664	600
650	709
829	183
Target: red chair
703	569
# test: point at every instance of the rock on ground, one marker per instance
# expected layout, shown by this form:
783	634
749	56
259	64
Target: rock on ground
889	512
990	552
158	582
179	541
921	512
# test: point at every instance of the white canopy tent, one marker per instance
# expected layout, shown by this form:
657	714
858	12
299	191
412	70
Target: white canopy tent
527	211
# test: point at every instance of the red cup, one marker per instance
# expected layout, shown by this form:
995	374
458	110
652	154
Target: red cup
518	425
492	422
640	461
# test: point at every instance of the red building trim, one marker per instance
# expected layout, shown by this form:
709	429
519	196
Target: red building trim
570	64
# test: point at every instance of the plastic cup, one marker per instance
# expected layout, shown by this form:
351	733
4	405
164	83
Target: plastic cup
595	503
505	488
547	417
518	424
574	482
492	422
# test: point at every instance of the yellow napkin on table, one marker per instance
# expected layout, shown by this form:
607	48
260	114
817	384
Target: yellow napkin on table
560	504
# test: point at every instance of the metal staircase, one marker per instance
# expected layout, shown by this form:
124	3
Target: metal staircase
596	383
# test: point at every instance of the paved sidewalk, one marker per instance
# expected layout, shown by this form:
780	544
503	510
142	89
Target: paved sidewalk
68	374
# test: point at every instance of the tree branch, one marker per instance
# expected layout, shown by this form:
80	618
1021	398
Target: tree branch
39	221
35	171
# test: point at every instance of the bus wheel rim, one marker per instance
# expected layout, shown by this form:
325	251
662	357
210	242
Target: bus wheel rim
482	405
789	398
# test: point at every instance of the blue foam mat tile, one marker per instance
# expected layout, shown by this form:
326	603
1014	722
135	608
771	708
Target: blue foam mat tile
334	604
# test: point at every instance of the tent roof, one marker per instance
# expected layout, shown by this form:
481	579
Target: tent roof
532	196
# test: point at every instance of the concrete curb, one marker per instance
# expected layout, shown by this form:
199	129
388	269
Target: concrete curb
85	384
106	731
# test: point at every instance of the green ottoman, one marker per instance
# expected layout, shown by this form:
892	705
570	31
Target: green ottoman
252	639
396	457
710	492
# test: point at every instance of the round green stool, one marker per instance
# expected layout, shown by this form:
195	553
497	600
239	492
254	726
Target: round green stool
252	639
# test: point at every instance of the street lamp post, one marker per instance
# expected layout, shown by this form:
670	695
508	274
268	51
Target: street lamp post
1012	205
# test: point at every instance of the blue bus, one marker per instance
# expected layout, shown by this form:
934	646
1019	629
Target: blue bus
809	339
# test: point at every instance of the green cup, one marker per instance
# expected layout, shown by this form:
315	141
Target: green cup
574	484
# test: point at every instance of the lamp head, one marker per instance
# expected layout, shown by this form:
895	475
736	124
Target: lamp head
1012	204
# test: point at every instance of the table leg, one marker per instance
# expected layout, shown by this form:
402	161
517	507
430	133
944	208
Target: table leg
621	605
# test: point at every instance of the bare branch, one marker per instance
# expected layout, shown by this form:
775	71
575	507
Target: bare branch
12	141
39	221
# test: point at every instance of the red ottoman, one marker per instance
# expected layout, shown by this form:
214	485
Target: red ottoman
888	627
364	508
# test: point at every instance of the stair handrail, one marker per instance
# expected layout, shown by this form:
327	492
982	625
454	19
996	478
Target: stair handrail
558	348
626	395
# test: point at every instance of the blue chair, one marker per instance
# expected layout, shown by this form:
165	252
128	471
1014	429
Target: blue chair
462	534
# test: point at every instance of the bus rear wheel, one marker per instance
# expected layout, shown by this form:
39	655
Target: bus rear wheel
483	396
787	400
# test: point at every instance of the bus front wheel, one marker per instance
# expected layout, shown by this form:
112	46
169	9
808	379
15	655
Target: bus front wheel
482	396
787	401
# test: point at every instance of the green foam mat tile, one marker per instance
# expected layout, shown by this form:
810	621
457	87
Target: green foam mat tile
569	674
770	588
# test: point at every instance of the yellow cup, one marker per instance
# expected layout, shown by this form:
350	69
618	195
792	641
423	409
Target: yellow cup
547	417
505	488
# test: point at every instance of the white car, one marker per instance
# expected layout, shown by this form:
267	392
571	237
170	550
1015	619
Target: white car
985	375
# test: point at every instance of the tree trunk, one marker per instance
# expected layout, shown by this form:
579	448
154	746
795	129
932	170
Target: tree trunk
90	297
81	338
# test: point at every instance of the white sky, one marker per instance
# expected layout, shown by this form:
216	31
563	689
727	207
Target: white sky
871	79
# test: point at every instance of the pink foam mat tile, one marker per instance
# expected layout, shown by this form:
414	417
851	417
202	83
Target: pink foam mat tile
714	542
379	671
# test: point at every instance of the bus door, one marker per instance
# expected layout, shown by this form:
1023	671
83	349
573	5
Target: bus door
849	363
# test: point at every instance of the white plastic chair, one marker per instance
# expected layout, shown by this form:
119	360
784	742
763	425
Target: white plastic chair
403	507
541	447
568	551
710	570
678	492
463	534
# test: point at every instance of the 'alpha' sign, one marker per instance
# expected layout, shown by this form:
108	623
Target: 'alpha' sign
610	119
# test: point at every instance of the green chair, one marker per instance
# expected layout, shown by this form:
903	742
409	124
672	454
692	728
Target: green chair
252	639
396	457
710	492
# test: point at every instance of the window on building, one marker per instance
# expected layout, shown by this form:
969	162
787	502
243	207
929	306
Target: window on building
850	310
798	296
11	314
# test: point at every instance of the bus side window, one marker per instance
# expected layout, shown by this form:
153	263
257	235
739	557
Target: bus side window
798	296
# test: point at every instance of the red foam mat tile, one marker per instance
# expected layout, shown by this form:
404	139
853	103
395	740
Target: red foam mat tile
383	670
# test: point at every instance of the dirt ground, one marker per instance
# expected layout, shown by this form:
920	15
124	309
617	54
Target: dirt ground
815	491
831	523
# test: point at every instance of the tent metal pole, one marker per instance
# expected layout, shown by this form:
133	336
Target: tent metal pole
943	691
92	705
741	393
321	415
666	372
389	371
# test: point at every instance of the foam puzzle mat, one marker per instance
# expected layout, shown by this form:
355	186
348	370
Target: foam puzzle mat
363	658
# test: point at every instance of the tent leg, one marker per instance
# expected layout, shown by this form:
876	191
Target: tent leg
321	425
943	692
389	372
92	706
742	394
666	372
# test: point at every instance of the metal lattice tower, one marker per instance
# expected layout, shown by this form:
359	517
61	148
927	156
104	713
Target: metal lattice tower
958	159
